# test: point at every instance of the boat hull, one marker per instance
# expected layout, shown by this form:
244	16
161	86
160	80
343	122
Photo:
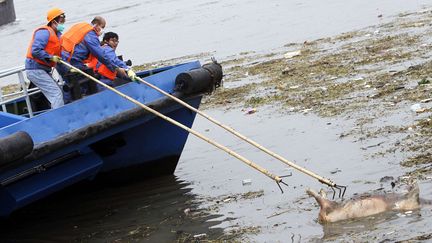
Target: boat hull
102	137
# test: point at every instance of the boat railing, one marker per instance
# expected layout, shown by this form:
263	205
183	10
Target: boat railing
23	91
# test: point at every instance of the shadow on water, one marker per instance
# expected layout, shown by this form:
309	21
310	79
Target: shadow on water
153	210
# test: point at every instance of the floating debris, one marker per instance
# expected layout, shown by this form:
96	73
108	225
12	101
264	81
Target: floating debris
426	100
228	199
246	182
387	179
416	108
292	54
251	195
200	236
251	111
335	171
423	81
306	110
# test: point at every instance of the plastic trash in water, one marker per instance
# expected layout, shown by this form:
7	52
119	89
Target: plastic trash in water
246	182
417	108
292	54
250	111
335	171
199	236
423	81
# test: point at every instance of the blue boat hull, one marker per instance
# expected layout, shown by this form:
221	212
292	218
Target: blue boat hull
101	136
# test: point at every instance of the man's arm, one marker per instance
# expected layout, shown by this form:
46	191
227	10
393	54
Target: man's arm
38	48
112	56
91	41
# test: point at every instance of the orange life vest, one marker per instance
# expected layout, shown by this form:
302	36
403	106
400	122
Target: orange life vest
92	61
52	47
73	37
102	69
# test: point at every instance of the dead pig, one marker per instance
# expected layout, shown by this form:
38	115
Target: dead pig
364	206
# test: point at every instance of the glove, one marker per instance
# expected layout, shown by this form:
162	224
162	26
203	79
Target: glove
55	59
132	75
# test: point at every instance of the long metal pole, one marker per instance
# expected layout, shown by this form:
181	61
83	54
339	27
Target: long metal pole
241	136
199	135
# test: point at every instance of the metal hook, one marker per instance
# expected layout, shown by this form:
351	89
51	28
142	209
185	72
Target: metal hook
343	190
278	183
340	188
334	192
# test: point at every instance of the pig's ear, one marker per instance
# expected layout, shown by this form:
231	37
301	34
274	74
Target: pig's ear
323	193
313	194
324	203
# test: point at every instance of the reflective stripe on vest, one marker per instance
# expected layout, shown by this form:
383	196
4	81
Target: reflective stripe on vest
73	37
52	47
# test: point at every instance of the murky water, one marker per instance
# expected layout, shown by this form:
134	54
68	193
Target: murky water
207	179
314	143
209	182
152	210
156	30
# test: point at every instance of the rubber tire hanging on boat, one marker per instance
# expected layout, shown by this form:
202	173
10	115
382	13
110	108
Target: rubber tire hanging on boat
204	79
14	147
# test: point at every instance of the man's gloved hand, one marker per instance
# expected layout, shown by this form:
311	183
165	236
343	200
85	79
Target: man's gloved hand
132	75
121	72
55	59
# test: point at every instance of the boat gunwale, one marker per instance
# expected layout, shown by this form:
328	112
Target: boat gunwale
76	136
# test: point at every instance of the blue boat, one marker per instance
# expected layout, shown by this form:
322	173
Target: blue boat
99	137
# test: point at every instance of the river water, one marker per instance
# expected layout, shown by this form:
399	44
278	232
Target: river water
209	183
159	210
157	30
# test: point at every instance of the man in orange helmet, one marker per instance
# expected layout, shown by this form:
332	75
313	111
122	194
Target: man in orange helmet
42	55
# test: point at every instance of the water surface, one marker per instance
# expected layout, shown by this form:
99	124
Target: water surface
157	30
207	178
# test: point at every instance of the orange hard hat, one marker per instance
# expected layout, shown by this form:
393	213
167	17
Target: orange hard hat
54	13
